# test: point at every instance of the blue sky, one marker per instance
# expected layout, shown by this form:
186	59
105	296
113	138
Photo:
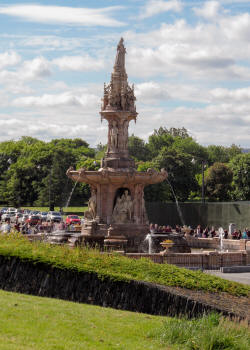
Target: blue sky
189	61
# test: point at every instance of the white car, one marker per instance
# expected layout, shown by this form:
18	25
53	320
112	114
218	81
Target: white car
43	215
6	215
54	216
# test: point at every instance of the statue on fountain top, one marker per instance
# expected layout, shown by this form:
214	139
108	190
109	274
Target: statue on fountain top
120	56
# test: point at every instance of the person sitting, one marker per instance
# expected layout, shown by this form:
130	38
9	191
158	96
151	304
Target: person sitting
244	234
248	233
225	234
212	232
152	228
239	234
235	234
168	229
164	229
177	229
198	231
17	227
160	229
205	233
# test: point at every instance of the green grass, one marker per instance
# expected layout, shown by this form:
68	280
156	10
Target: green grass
35	323
210	332
67	211
75	210
116	267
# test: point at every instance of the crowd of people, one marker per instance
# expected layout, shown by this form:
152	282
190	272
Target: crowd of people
199	232
27	228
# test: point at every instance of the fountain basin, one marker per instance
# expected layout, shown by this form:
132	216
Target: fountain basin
179	245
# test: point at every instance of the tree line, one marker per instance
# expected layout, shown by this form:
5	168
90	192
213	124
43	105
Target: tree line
32	172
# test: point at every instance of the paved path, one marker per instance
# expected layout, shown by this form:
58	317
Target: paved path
243	277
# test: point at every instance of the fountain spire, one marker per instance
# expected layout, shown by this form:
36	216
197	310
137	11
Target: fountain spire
118	108
120	57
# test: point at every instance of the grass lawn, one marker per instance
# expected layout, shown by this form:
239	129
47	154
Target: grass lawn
35	323
115	266
69	210
29	322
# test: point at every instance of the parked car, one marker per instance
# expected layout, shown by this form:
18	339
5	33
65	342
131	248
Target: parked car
8	215
35	212
24	218
18	216
73	219
33	219
43	215
26	211
54	216
11	211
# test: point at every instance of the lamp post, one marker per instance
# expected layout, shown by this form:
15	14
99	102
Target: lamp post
50	173
203	182
203	164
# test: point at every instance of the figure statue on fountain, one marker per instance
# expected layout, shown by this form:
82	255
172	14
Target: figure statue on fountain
90	214
123	209
120	56
114	132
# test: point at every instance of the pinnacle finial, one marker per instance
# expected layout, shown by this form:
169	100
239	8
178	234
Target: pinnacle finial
120	56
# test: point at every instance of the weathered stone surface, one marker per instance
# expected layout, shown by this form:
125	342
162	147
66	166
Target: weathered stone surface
44	280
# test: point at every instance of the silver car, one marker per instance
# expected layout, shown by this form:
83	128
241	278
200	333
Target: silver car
54	216
43	216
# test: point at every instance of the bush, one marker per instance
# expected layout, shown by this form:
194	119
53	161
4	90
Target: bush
211	332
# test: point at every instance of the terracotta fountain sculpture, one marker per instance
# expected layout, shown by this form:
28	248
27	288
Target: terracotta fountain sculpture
116	210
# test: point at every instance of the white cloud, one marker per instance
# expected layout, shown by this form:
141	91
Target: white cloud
151	92
9	59
211	51
78	63
236	95
66	99
39	67
153	7
36	69
64	15
210	10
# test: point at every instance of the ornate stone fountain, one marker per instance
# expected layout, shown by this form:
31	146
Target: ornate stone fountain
116	213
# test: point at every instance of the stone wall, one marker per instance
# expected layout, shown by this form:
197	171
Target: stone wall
214	243
206	260
208	214
44	280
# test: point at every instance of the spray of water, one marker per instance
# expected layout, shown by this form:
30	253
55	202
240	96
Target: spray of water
71	193
221	235
177	204
150	243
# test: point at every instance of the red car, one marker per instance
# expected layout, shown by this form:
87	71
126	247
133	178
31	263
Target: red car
33	219
73	219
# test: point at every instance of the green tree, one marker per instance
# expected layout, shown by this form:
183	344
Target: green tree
218	181
137	148
240	166
180	172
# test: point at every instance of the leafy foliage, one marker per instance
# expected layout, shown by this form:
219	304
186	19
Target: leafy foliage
218	181
34	172
240	166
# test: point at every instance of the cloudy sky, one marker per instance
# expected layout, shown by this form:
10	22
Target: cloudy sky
189	61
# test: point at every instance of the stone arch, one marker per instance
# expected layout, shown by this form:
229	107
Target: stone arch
119	192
